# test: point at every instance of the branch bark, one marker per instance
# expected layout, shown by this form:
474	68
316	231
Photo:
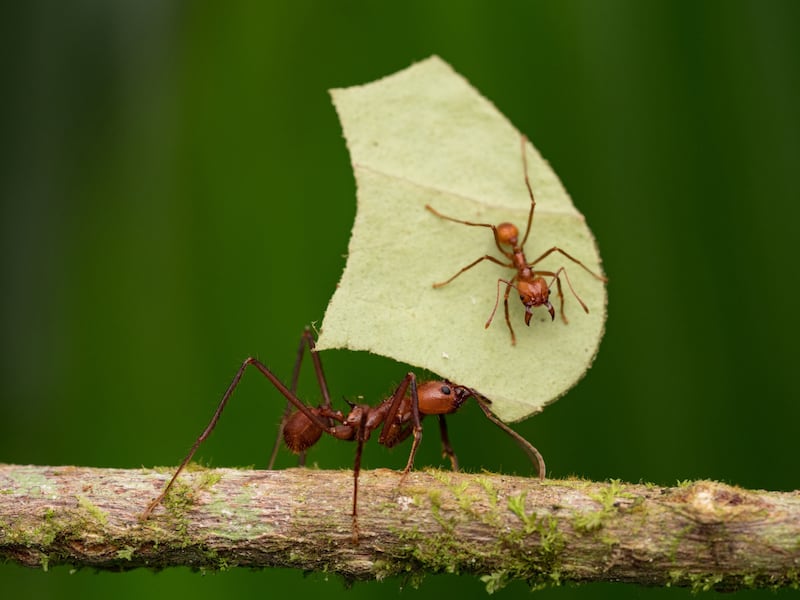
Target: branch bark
703	535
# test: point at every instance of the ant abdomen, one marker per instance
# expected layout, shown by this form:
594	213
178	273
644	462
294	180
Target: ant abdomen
300	433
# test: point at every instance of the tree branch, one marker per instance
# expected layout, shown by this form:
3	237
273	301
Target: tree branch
704	535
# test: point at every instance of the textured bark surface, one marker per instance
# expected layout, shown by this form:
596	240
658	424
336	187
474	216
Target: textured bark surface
703	535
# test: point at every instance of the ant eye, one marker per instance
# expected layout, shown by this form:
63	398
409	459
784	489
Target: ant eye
445	390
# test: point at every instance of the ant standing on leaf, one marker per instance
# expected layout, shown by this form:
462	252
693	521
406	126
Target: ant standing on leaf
533	288
398	417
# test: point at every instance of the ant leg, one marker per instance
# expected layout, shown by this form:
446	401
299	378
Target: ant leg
561	298
572	258
356	472
317	420
470	265
509	285
390	436
533	453
447	449
306	341
508	318
471	224
557	278
416	422
530	190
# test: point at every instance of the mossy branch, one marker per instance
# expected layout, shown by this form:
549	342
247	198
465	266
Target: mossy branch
703	535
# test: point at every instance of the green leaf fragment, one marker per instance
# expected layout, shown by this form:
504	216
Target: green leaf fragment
425	136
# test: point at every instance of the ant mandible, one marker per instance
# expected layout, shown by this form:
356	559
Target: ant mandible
532	286
398	417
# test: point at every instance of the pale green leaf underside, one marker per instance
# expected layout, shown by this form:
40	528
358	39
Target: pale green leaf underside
425	136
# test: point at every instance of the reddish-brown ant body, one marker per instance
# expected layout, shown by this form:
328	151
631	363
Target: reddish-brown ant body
398	417
532	286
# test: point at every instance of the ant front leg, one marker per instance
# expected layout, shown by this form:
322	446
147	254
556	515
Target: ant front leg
556	277
509	286
395	424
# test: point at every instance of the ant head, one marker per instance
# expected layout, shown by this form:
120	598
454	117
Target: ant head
441	397
535	293
507	233
462	393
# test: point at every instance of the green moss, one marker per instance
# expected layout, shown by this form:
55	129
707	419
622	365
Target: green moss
460	492
440	553
495	581
792	579
592	521
45	534
177	503
541	569
213	561
195	467
676	541
530	552
209	479
125	553
575	483
31	483
703	582
98	515
491	491
588	522
675	578
608	495
466	501
446	523
443	477
516	504
552	540
443	552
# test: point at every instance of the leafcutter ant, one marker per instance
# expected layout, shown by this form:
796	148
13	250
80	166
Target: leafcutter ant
397	417
533	288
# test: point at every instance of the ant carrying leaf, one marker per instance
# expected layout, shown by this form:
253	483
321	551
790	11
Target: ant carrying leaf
398	417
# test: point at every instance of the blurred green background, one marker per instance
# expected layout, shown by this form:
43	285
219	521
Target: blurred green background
176	195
